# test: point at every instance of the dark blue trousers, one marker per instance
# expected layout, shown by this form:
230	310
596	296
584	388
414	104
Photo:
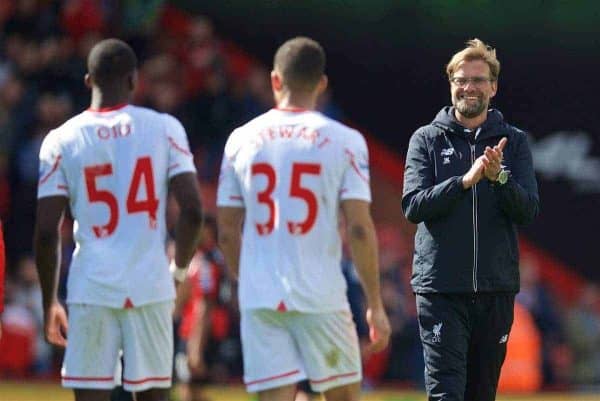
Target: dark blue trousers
464	340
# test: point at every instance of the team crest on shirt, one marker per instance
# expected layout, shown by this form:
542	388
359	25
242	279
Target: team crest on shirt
363	162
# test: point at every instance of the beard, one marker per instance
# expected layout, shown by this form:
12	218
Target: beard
470	109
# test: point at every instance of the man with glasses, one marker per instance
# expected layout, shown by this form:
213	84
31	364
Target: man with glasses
468	182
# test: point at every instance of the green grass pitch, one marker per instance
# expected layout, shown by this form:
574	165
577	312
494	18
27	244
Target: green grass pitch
34	391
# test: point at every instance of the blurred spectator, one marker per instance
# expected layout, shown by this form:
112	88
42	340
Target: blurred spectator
536	298
13	105
257	96
32	19
139	17
51	110
29	295
583	333
4	187
201	55
209	350
17	345
394	260
79	17
522	369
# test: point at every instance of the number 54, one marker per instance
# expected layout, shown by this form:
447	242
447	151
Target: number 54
142	172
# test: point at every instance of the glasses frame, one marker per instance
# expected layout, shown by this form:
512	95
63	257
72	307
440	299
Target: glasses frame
476	81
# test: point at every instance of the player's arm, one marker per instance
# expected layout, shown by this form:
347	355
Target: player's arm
199	336
184	293
362	241
184	188
229	223
423	199
50	212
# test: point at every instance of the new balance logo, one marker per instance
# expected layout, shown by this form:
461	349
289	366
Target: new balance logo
447	152
503	339
437	333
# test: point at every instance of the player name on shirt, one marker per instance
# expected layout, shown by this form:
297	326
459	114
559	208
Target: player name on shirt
290	132
114	132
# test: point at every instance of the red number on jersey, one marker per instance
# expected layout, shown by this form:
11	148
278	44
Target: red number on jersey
265	196
142	171
296	191
96	195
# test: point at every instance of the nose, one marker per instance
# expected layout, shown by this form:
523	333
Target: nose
469	85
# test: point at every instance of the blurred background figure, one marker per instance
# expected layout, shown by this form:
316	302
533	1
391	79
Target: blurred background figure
208	348
583	333
29	295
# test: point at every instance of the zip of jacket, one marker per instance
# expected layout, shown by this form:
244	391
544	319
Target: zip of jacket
475	216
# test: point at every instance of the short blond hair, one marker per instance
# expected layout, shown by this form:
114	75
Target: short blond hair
475	50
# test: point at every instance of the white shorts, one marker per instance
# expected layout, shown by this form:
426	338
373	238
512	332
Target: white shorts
96	336
281	348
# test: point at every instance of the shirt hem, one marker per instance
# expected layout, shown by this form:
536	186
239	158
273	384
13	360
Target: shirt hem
119	305
345	308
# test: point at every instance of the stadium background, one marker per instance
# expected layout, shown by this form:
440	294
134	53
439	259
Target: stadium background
385	64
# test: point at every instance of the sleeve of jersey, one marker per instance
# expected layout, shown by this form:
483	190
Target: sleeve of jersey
355	183
52	180
181	159
229	193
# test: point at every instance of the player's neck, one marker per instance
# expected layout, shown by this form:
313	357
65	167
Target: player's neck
102	100
303	102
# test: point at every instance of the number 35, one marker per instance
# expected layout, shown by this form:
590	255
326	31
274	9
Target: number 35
296	191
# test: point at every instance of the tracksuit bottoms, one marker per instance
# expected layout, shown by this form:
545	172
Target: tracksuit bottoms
464	339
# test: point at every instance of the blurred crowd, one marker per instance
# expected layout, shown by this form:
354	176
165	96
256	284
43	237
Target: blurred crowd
212	86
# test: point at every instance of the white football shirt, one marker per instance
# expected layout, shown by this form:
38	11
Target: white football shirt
114	165
290	169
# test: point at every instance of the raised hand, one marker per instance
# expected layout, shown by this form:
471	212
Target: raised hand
475	173
494	160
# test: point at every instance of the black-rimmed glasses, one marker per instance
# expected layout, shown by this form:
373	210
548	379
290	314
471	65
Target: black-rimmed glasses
463	81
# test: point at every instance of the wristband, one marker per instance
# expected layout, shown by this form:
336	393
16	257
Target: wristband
179	273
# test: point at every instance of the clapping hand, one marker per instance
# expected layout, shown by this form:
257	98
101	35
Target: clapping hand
493	160
487	165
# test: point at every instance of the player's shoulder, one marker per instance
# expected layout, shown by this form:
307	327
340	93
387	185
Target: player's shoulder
68	130
147	113
342	132
158	122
